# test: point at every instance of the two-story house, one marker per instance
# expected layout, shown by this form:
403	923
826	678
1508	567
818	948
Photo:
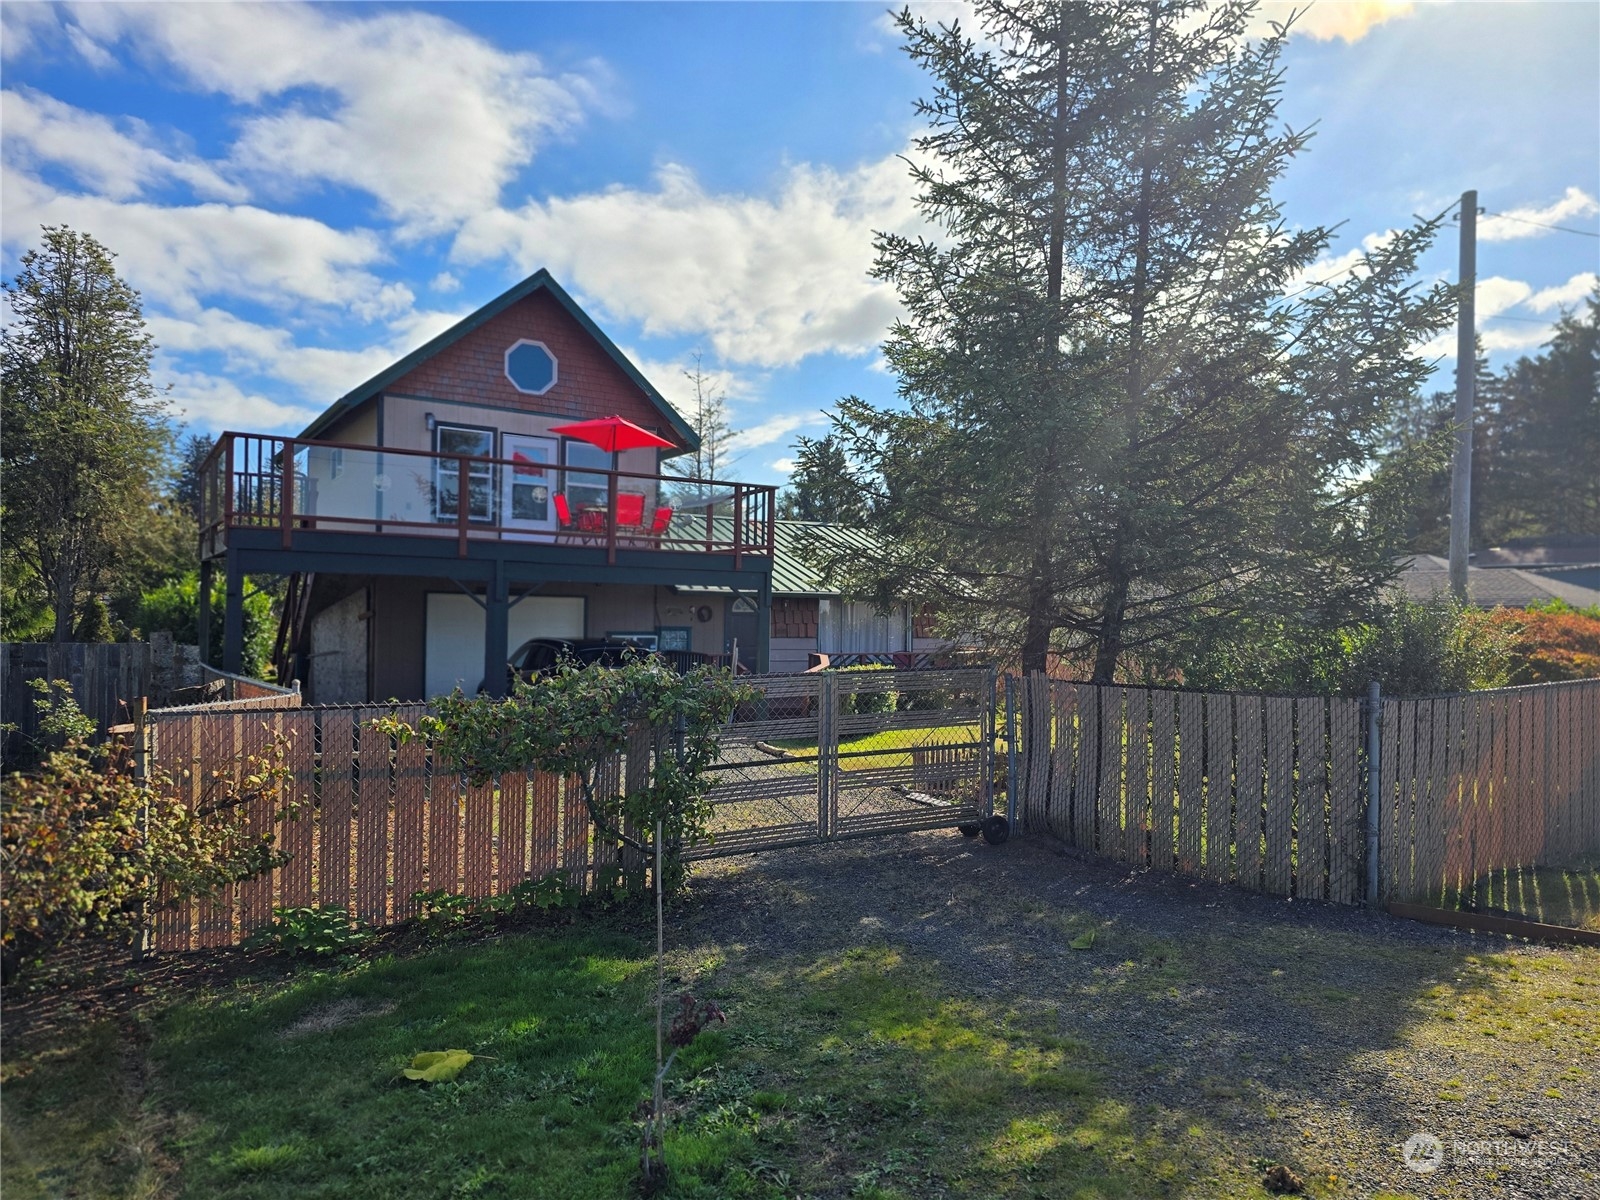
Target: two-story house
436	516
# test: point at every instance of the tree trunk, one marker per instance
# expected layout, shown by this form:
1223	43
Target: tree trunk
1040	620
1108	645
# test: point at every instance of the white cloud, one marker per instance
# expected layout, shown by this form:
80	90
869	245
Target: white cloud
209	403
176	255
1493	340
771	430
426	117
766	281
1494	295
1574	291
40	129
1508	226
445	282
1350	20
783	466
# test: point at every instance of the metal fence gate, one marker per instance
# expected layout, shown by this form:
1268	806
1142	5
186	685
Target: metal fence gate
848	753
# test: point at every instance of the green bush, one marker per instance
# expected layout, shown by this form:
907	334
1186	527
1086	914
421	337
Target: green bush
174	607
1410	647
88	847
315	932
867	702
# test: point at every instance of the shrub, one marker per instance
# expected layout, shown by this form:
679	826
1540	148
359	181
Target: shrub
87	847
174	607
1550	644
315	932
867	702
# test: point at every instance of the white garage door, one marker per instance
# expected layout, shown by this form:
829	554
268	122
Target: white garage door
455	635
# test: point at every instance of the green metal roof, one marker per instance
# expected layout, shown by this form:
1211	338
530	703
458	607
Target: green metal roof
539	280
792	574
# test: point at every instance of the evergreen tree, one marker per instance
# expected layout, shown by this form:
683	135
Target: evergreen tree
1121	416
1535	442
820	487
84	431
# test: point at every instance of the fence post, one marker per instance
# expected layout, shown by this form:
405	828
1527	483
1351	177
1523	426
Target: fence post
144	937
1374	754
827	750
1011	753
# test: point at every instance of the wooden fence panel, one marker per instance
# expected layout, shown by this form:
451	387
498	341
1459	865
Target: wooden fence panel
299	725
374	805
1163	781
1049	788
411	777
1345	833
1136	830
1051	780
577	853
444	831
338	735
1108	793
1219	787
1278	867
1311	798
255	733
106	677
1191	775
544	822
477	854
1086	776
512	842
214	916
1249	829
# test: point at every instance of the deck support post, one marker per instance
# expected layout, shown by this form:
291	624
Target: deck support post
233	618
208	579
764	626
496	631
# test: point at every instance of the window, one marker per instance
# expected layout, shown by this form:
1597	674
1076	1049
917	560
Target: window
584	490
852	626
468	442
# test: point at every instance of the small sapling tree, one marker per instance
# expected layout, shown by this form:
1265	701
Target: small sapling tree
571	724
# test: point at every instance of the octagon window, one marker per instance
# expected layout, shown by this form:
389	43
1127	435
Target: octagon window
531	367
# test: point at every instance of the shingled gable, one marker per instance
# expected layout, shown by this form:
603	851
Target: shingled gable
431	364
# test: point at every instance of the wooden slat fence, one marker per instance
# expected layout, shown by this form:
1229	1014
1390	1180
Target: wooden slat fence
1260	791
1270	792
105	676
377	822
1487	782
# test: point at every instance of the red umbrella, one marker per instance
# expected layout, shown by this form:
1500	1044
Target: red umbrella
612	434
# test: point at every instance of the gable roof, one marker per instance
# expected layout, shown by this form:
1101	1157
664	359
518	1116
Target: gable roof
540	280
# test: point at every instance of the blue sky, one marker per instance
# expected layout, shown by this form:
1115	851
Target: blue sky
305	193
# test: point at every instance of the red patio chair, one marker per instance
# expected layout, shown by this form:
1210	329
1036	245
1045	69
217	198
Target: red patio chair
564	516
630	510
659	523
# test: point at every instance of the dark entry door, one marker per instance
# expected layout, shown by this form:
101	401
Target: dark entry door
741	628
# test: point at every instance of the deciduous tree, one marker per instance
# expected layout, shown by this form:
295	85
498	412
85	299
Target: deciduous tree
84	430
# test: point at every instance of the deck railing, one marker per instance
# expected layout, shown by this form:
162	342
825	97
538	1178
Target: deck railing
348	488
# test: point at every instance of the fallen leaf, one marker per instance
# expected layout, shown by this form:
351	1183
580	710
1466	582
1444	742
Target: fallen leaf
1084	941
438	1066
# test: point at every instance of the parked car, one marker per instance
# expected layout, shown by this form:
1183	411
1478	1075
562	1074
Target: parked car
541	656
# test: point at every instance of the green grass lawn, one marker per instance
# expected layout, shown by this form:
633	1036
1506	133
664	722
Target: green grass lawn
855	1074
889	747
862	1071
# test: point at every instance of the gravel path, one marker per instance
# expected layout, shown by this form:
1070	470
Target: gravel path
1316	1035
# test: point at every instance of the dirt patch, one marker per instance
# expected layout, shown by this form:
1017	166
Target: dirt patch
326	1017
1321	1036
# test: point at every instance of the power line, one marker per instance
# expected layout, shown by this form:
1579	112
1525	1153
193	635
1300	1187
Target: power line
1543	225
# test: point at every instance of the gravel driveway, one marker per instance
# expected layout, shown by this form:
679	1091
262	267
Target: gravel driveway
1319	1036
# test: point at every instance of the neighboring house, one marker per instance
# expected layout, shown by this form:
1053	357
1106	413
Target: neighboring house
421	529
811	617
1428	575
1571	560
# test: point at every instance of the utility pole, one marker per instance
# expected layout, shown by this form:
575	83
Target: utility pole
1466	383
